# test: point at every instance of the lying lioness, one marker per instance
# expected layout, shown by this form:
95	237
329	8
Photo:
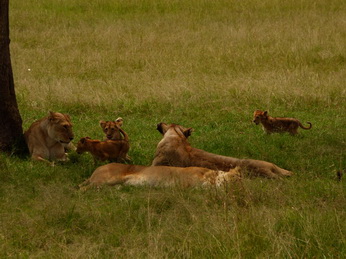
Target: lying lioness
48	137
114	173
111	129
175	150
112	150
277	124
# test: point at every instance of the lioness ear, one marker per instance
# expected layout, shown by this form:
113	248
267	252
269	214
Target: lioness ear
51	116
102	124
67	117
161	128
187	132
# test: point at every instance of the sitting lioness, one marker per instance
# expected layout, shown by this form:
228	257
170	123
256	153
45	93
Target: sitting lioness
114	173
112	129
48	137
278	124
175	150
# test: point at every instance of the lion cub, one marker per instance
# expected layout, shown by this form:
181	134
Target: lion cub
277	124
112	150
112	129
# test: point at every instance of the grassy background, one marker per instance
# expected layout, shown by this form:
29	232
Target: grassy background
202	64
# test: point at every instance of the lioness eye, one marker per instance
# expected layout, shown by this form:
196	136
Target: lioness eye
65	126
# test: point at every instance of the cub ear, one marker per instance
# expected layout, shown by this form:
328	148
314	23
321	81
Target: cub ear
188	132
265	113
102	124
82	140
119	121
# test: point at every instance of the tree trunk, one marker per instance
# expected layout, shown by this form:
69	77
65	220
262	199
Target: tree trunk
11	131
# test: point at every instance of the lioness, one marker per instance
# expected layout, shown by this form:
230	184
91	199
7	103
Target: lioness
111	129
112	150
175	150
277	124
48	137
114	173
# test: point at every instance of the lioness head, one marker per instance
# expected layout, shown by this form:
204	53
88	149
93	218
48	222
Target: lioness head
163	128
111	128
59	127
258	116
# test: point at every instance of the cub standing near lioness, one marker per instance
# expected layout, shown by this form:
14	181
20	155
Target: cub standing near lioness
48	137
278	124
112	150
113	131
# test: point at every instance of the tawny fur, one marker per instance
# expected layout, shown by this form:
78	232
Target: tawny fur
48	137
175	150
278	124
112	150
114	174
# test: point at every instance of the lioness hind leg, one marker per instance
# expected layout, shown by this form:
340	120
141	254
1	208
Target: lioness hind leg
280	171
257	168
266	172
260	171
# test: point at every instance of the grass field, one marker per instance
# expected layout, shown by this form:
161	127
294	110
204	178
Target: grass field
202	64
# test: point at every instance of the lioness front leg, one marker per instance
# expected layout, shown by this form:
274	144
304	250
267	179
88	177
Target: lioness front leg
40	158
59	154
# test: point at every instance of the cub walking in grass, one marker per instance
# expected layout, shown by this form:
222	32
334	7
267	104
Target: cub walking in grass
277	124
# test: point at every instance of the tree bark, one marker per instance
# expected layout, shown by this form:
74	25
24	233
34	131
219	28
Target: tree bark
11	131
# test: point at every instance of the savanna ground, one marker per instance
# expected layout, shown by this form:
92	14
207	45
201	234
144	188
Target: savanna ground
201	64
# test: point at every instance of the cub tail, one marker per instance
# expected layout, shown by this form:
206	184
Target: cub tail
306	128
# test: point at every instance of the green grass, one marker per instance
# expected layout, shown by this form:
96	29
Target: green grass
201	64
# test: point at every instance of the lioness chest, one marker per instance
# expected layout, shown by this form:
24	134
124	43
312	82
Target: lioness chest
57	152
